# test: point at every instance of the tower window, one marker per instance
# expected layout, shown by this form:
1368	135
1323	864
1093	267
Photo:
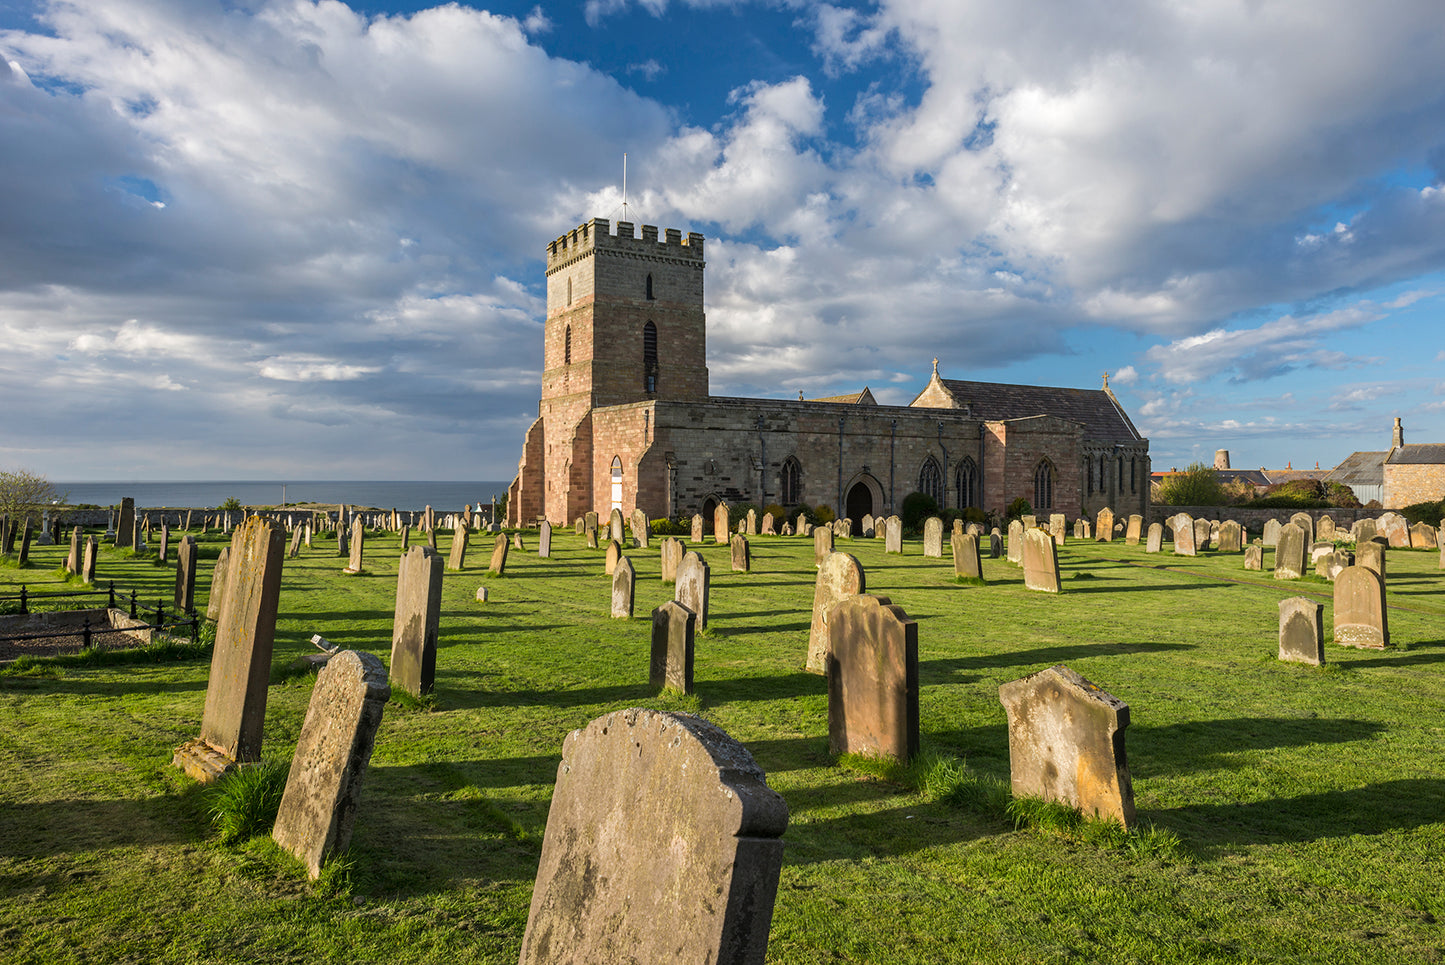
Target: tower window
649	288
569	291
930	480
792	480
966	481
1044	486
649	357
567	346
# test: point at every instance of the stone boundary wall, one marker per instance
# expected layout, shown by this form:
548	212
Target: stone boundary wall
176	516
1254	519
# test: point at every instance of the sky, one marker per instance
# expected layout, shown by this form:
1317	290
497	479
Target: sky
259	239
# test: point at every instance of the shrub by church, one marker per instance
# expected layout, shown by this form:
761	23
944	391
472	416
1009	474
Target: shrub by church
626	420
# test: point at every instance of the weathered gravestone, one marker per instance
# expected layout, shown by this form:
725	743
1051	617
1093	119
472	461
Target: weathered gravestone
867	527
461	536
87	566
358	547
1361	619
822	544
893	535
741	554
1395	529
72	558
323	789
1134	530
770	525
499	555
405	537
696	534
1015	541
1155	542
1184	538
839	578
720	523
671	552
1041	562
417	621
580	525
843	528
342	549
1305	522
218	584
1066	743
185	591
692	586
1231	537
589	529
1301	631
544	541
933	537
1325	528
1289	553
751	522
615	527
163	553
1371	553
801	522
872	679
235	706
125	525
1029	522
1422	536
138	543
995	544
614	553
670	668
1336	562
641	529
1363	529
1271	532
1202	534
624	582
1104	525
295	549
1254	557
1056	528
662	845
966	561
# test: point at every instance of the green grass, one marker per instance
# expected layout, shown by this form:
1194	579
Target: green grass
1286	813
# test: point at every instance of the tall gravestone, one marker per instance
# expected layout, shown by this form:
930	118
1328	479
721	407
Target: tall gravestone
1271	532
740	554
1041	562
72	559
1305	522
323	789
1184	538
695	535
461	536
1230	537
235	709
218	584
933	537
1325	528
125	525
297	535
498	564
1155	541
769	526
822	544
163	554
1104	525
893	535
1066	743
671	555
751	522
1371	553
839	578
26	536
995	544
544	541
87	566
872	679
358	547
624	583
1301	631
185	591
1361	619
416	621
641	531
662	845
1015	541
720	523
673	629
343	547
692	587
1057	524
614	525
1289	553
1202	533
966	561
137	535
1136	528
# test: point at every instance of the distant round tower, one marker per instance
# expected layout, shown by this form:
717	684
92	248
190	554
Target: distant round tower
1221	459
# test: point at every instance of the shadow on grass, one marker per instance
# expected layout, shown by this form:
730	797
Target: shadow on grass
1211	744
48	828
939	671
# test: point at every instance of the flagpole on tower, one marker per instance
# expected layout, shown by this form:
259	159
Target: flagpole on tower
624	186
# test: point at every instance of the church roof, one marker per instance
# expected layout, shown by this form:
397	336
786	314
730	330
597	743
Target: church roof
1418	454
853	398
1102	417
1360	469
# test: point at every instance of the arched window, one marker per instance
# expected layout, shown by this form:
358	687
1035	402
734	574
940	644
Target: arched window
616	482
649	357
1044	486
966	482
649	288
792	482
930	480
567	346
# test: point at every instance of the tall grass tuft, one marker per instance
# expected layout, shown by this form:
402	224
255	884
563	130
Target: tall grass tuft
244	802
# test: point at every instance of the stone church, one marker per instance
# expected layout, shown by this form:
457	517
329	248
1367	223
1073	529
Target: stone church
626	419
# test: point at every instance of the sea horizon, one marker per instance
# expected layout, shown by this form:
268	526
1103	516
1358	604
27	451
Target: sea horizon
445	495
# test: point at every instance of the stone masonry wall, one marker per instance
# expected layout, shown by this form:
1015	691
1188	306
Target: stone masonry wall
1406	485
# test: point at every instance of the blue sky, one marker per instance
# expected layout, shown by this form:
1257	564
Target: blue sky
258	239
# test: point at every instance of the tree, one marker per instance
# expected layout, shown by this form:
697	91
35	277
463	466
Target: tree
1197	485
23	493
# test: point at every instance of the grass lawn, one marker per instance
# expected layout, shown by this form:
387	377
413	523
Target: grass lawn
1308	803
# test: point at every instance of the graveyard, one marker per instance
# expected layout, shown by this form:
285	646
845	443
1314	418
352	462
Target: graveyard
1281	811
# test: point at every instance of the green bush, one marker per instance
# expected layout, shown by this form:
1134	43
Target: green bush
1430	513
916	508
1018	509
231	505
739	512
1197	485
682	526
244	802
823	515
1305	494
779	513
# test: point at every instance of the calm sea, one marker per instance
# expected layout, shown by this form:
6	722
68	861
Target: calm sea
444	496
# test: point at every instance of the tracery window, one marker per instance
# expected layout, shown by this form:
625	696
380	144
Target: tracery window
1044	486
966	483
930	480
792	482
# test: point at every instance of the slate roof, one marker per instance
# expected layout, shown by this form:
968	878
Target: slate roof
1419	454
1276	476
854	398
1103	418
1360	469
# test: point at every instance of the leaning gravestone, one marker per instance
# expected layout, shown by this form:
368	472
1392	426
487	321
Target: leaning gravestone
341	547
357	555
692	587
1066	743
417	620
323	789
1301	631
1361	619
137	537
641	531
1271	532
671	554
1393	527
544	541
624	582
1289	553
164	552
933	537
1104	525
517	543
1155	542
822	544
460	537
872	679
662	845
499	555
670	667
893	535
720	523
218	584
839	578
966	561
296	536
696	535
241	660
185	591
1029	522
87	566
1184	538
1135	529
614	553
1015	541
1254	557
1041	562
741	555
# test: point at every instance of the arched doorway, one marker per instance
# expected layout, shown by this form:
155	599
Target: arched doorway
860	504
709	506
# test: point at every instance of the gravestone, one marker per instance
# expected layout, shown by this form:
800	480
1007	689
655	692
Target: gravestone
867	528
323	790
1104	525
770	525
461	536
641	529
720	529
1088	530
544	541
751	522
662	845
1422	536
673	627
499	555
405	537
692	588
1361	619
1325	528
1056	528
1015	541
1363	529
72	558
1066	743
1271	532
1305	522
1230	537
822	544
1371	553
517	543
1338	560
614	526
671	553
26	535
1041	562
1254	557
614	553
87	566
1395	529
218	584
1289	553
995	544
697	523
742	558
1135	529
1301	631
358	546
624	582
933	537
1184	538
957	525
125	525
417	620
1029	522
966	561
893	535
580	524
163	554
800	523
1155	542
1078	529
840	577
1202	533
295	549
137	537
185	591
589	529
872	665
235	708
843	528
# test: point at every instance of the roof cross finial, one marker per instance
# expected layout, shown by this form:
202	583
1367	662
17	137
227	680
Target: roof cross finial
1106	380
935	368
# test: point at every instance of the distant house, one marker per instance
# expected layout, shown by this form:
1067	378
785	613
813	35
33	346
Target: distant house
1402	476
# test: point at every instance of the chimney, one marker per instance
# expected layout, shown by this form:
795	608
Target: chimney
1221	459
1398	439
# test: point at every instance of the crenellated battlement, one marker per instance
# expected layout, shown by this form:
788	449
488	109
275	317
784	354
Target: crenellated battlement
597	234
